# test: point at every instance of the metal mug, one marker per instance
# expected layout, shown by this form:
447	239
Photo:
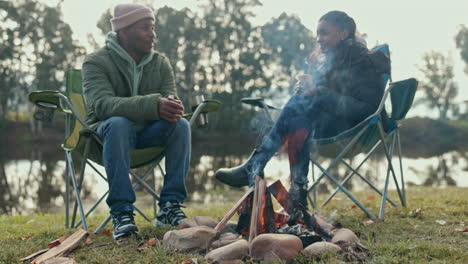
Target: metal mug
202	119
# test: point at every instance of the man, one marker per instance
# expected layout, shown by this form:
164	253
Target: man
131	98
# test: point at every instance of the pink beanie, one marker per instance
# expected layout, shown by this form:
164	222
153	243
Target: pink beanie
128	14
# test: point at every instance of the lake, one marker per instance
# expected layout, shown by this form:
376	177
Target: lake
32	179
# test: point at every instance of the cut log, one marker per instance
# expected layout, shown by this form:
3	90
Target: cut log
59	260
254	214
57	242
34	255
260	185
68	245
282	196
233	210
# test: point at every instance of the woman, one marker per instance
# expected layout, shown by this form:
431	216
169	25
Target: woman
343	87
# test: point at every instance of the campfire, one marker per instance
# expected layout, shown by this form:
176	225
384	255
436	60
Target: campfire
261	233
257	216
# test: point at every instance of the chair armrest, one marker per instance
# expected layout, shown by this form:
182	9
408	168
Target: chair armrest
206	106
257	101
47	99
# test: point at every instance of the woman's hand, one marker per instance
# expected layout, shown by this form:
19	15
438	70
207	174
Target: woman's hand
304	85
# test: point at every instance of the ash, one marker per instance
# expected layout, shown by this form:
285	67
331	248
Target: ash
307	237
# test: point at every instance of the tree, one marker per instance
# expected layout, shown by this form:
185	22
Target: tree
290	42
38	49
461	40
439	87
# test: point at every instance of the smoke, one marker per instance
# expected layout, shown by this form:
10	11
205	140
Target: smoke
320	64
293	118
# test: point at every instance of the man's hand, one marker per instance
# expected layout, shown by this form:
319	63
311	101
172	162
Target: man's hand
170	109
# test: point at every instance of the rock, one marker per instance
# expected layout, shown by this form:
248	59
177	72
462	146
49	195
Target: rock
230	227
319	248
233	251
237	261
344	235
323	224
193	238
197	221
225	239
275	246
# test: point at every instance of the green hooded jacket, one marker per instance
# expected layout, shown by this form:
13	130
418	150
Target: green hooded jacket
108	86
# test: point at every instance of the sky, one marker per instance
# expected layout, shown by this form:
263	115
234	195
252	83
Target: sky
410	27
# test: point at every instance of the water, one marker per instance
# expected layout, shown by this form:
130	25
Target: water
32	183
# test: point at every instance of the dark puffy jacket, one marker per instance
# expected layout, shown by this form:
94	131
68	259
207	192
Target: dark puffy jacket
354	86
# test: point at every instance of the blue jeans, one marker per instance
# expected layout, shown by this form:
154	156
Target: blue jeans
301	119
120	137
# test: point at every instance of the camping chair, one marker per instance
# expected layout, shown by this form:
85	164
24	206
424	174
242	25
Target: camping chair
377	129
82	139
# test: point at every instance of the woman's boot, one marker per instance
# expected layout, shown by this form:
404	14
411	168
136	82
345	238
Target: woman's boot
299	195
239	176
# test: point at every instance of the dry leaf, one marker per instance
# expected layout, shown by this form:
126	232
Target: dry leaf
415	212
354	206
107	233
368	222
371	198
25	238
147	243
152	242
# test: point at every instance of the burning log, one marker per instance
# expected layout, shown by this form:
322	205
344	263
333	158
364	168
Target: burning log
254	214
296	212
233	210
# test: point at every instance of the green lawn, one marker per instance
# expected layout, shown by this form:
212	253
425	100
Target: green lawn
399	239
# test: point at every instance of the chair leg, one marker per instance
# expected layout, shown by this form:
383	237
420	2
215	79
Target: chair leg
142	214
350	175
77	191
145	185
345	191
67	194
102	225
93	207
355	171
154	200
67	179
389	155
343	152
401	166
82	173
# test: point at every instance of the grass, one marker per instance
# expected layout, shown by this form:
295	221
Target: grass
399	239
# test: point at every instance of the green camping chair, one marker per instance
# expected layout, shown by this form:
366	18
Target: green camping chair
377	130
82	139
